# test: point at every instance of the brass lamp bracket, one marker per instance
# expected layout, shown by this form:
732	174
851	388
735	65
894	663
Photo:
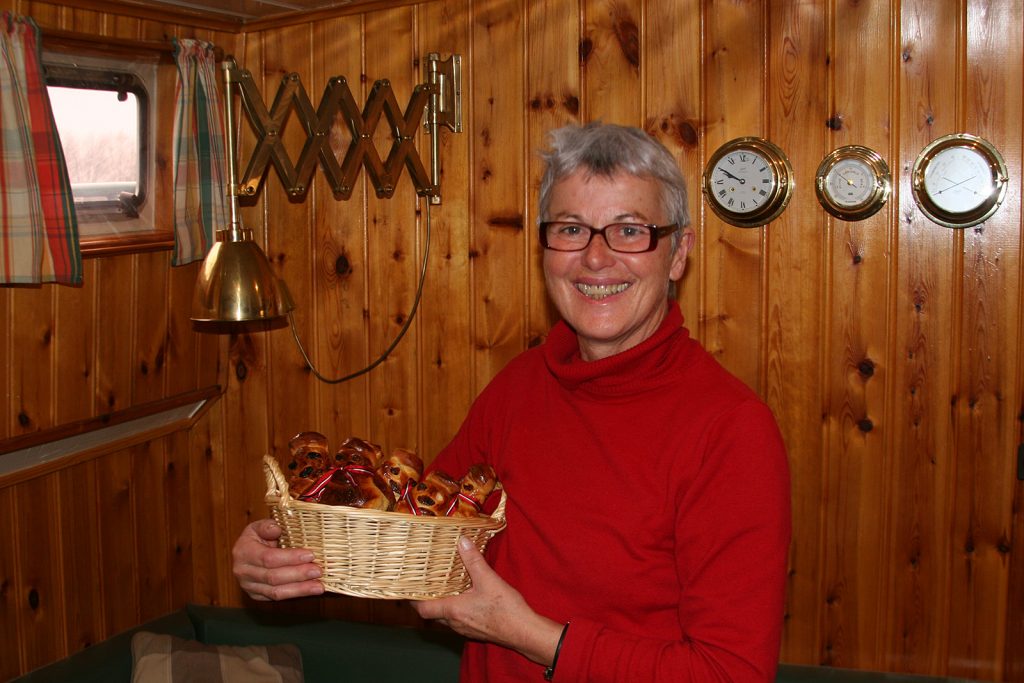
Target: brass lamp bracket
438	102
445	108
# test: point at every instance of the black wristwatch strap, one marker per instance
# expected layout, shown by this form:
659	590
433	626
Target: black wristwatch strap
549	672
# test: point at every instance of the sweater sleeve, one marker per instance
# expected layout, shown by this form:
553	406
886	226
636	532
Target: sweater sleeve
732	537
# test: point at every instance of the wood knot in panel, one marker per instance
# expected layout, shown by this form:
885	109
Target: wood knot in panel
628	36
681	131
510	221
571	104
586	48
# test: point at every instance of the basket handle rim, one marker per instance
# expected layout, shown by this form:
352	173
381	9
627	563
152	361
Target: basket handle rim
277	485
499	512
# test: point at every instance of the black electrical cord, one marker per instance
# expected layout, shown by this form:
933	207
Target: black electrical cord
398	337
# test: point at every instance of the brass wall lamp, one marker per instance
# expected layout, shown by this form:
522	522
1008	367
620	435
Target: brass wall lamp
236	282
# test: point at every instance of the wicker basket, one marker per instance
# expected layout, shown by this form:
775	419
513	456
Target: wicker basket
374	554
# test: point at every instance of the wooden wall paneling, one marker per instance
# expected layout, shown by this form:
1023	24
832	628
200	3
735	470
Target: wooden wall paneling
795	295
122	26
115	333
74	348
87	19
152	513
921	335
610	54
39	592
445	333
185	348
81	568
210	365
214	522
554	50
339	249
1014	651
395	251
986	428
32	339
288	236
44	13
11	654
735	95
858	293
180	504
151	321
498	240
672	87
119	573
1014	648
924	356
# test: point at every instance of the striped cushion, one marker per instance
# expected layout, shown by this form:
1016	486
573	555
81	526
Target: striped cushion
162	658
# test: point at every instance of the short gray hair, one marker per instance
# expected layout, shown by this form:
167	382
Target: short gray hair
604	149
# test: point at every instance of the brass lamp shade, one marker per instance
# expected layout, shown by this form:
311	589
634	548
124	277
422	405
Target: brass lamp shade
237	284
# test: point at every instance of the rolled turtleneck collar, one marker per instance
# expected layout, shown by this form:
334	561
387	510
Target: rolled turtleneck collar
634	370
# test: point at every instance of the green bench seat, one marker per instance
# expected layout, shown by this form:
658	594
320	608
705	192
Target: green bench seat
336	651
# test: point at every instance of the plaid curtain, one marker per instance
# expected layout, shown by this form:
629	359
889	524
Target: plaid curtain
200	200
38	227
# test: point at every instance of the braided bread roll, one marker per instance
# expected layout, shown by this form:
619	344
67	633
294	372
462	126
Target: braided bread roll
478	483
430	497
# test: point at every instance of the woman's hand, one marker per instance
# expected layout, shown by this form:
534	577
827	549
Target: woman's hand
493	611
268	572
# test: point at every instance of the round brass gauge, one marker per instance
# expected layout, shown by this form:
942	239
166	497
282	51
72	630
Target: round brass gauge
959	180
853	182
748	182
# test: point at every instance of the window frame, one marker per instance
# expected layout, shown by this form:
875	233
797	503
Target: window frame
84	68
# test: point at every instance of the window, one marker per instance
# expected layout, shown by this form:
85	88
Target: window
104	111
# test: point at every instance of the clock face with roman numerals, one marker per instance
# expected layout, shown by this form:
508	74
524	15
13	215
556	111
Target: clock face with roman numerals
742	181
748	182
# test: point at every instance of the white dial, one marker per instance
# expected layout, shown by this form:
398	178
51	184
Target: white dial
742	181
851	182
748	182
959	179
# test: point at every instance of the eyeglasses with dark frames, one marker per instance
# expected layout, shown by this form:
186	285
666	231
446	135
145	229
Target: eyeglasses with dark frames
627	238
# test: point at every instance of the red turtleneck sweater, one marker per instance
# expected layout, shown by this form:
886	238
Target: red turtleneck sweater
648	505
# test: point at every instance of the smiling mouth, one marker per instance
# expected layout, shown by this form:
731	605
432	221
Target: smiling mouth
598	292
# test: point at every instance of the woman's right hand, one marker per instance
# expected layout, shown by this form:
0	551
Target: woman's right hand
268	572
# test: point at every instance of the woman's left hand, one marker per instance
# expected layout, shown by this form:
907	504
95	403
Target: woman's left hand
492	610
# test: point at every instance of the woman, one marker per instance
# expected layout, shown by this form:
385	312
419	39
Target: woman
648	491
